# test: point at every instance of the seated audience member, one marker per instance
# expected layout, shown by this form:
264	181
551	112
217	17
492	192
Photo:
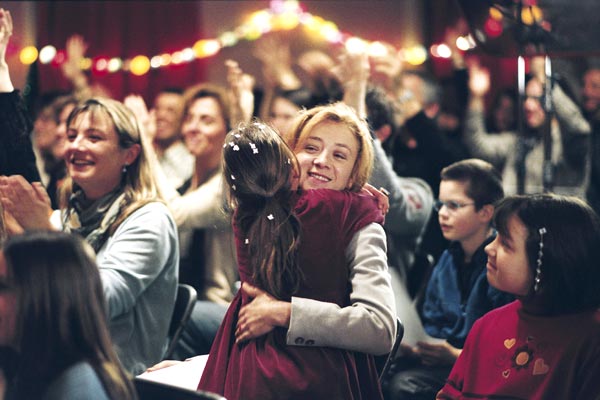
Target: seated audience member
303	254
410	198
522	156
54	167
54	327
165	127
205	235
111	199
544	345
457	293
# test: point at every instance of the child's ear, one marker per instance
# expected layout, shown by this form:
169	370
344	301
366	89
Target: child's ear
486	212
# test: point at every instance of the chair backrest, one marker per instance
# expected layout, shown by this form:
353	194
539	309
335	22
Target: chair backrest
392	355
150	390
184	304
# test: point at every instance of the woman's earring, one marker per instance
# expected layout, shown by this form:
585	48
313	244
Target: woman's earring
124	169
538	268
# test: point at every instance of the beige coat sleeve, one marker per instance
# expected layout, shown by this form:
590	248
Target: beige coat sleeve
368	325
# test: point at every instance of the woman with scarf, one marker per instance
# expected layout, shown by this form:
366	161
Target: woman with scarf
111	199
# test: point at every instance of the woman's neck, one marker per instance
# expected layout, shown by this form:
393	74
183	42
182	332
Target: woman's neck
202	173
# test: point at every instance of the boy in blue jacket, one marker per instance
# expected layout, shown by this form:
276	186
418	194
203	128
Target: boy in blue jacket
457	293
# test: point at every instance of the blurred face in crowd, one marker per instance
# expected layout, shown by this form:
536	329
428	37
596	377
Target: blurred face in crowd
532	107
44	130
327	157
282	113
61	131
168	108
8	306
504	114
204	128
591	90
94	157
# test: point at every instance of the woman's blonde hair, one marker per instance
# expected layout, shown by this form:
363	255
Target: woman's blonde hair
338	113
139	185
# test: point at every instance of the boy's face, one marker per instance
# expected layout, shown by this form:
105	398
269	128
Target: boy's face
463	223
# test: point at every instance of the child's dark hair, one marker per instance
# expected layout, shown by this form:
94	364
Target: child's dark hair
483	181
569	272
258	167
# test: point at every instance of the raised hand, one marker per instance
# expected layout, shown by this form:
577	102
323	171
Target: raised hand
386	67
479	80
276	59
146	119
6	29
240	92
75	49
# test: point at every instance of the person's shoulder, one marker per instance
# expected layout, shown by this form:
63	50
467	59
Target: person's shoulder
343	201
154	215
79	381
155	208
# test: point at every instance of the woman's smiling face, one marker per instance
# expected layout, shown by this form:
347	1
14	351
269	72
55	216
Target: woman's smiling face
327	157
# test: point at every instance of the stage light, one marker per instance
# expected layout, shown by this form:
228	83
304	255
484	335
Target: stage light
165	59
28	55
377	49
330	32
462	43
444	51
206	48
496	14
139	65
155	62
99	65
187	54
59	58
114	64
227	39
85	63
285	21
355	45
47	54
261	20
177	58
415	55
493	28
531	15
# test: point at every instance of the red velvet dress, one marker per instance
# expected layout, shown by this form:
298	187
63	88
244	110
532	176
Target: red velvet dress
267	368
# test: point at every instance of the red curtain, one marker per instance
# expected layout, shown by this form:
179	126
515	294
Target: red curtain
123	29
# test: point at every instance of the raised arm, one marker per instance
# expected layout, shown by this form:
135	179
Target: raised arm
16	151
493	148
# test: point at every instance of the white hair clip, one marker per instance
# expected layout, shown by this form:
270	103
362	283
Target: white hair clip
232	178
246	241
236	148
538	268
270	217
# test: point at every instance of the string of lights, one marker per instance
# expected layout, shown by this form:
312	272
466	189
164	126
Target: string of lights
281	15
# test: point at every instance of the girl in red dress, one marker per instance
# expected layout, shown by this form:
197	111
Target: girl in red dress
289	242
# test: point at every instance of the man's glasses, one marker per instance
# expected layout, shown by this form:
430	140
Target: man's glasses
450	205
